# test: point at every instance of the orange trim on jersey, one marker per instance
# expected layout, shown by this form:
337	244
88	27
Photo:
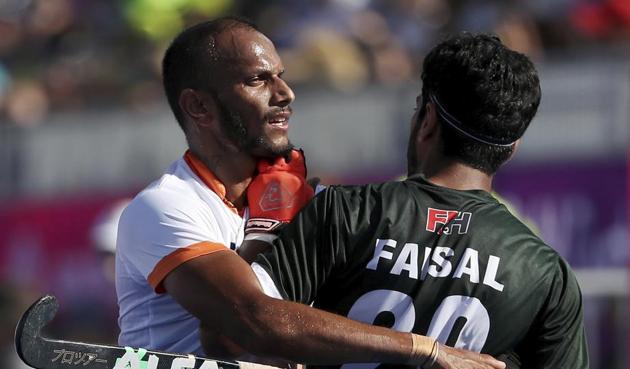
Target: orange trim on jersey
177	258
210	180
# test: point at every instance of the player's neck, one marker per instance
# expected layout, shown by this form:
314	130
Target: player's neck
458	176
234	170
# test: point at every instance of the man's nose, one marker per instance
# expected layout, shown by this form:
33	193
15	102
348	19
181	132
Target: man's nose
283	94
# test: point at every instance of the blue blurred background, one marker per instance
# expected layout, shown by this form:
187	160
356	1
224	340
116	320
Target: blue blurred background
84	125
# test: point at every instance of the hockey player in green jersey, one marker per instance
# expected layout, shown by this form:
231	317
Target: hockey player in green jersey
436	254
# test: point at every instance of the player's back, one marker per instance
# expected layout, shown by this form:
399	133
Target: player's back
454	265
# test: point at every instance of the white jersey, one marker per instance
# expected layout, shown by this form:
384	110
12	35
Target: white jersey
181	216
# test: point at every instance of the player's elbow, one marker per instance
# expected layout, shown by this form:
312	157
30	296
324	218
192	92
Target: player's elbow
219	346
267	329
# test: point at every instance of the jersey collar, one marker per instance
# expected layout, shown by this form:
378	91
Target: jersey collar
419	178
209	179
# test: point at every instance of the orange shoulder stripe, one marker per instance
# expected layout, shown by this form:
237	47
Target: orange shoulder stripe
177	258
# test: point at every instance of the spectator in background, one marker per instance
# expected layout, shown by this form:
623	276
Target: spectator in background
49	46
602	19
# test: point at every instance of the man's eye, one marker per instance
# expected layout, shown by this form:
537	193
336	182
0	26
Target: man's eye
256	81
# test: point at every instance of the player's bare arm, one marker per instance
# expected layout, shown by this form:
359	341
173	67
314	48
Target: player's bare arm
222	291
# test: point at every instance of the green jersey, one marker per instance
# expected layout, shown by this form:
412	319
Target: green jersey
453	265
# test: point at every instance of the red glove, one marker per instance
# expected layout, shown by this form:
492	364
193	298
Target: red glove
277	193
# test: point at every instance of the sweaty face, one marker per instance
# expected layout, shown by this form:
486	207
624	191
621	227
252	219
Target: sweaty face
253	100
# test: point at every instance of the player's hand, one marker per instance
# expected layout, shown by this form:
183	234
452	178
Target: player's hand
453	358
277	193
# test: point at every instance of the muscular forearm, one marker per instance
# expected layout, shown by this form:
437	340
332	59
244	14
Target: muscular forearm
222	291
296	332
227	298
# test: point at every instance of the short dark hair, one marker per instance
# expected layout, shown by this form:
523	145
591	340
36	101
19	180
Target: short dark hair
189	60
492	90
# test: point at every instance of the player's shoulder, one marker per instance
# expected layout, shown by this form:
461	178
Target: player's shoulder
346	198
503	219
375	190
526	247
178	178
154	216
172	193
158	202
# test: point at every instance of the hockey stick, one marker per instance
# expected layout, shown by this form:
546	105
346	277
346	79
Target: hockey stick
44	353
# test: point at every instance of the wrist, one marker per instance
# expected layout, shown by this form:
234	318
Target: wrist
424	350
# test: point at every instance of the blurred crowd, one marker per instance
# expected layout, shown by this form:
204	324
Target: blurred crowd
59	55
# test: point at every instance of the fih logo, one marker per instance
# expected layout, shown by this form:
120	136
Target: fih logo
275	197
449	219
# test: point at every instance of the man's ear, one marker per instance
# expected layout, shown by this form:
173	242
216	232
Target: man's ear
197	106
429	126
514	149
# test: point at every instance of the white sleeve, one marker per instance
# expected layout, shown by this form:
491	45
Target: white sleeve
157	233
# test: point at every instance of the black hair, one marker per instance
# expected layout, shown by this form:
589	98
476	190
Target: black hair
189	60
493	91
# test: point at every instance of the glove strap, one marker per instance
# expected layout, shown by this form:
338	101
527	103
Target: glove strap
262	225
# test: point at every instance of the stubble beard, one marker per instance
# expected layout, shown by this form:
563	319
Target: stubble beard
259	146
